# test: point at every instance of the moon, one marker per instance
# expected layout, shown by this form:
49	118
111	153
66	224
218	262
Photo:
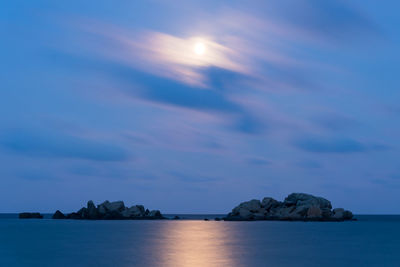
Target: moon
199	49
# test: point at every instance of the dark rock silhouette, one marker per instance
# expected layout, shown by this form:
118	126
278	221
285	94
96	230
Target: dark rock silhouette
111	211
30	215
58	215
295	207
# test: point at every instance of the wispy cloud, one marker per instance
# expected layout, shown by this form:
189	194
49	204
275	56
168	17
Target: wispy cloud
258	161
57	145
334	145
167	55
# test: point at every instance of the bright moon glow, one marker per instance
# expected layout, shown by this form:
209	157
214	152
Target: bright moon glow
199	48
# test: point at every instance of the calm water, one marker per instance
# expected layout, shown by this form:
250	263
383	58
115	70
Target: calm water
371	241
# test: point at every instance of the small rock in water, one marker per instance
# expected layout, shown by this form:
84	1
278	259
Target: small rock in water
58	215
156	214
295	207
176	218
111	211
30	215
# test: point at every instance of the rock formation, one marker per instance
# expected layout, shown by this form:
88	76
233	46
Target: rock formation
110	211
295	207
58	215
30	215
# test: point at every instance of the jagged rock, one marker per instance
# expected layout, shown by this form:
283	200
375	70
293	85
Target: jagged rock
91	211
284	212
141	208
30	215
258	216
101	209
295	207
269	202
245	213
114	206
155	214
301	199
82	213
347	215
314	212
342	214
298	212
252	205
326	213
134	211
113	215
111	211
245	209
130	212
58	215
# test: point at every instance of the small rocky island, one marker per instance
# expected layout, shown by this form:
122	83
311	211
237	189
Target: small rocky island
295	207
30	215
111	211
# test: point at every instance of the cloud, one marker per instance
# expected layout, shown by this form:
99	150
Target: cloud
335	122
333	20
167	92
48	145
170	92
241	48
249	124
36	174
309	164
166	55
326	145
159	89
193	178
258	161
245	51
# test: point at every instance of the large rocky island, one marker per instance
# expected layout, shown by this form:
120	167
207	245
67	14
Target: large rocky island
295	207
111	211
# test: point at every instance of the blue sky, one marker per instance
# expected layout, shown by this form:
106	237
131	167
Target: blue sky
101	100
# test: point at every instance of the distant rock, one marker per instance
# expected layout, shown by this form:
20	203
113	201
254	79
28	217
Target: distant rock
155	214
269	202
91	211
295	207
58	215
30	215
342	214
111	211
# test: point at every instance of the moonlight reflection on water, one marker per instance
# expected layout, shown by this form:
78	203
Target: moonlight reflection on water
195	243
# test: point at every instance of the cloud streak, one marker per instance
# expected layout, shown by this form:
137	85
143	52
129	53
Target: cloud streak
51	145
334	145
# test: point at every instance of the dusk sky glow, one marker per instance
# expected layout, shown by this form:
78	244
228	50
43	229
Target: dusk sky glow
195	106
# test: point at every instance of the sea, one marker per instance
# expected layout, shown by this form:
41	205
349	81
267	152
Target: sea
372	240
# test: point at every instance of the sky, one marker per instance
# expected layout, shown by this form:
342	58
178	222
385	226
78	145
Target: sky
196	106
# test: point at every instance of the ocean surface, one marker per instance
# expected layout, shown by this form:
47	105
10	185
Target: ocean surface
370	241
